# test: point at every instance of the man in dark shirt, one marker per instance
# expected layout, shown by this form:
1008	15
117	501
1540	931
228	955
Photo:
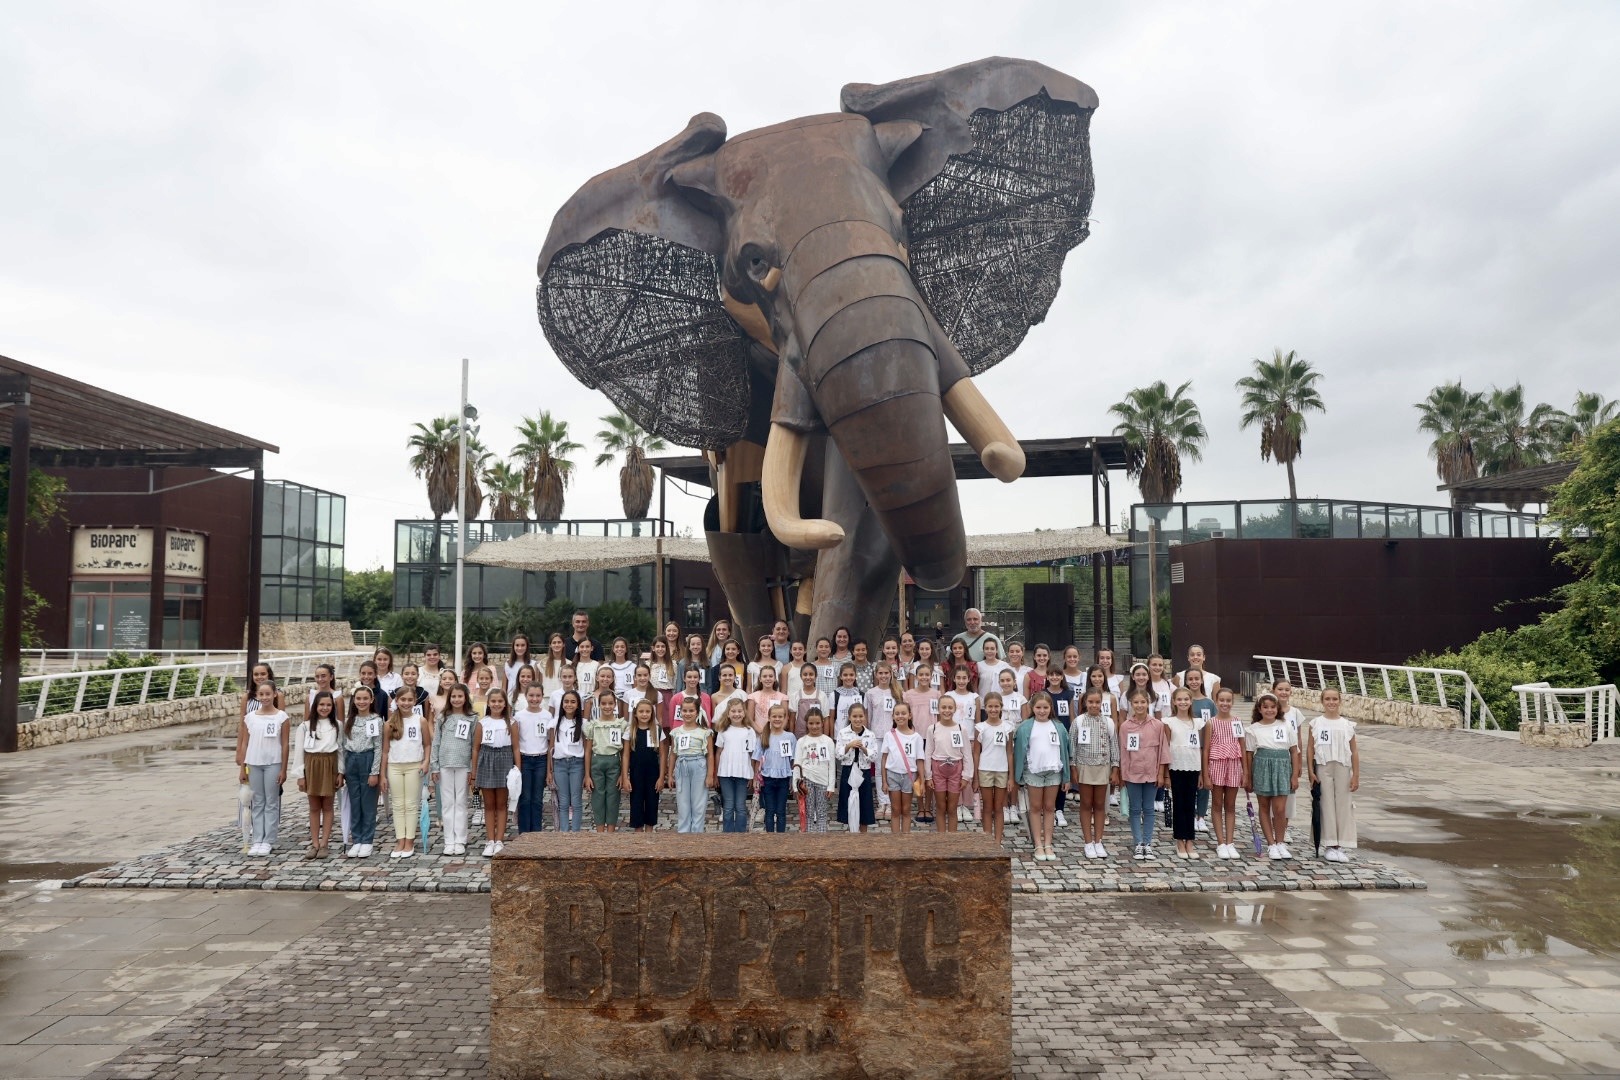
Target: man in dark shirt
582	632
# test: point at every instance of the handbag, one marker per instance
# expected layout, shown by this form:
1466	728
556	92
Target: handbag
916	778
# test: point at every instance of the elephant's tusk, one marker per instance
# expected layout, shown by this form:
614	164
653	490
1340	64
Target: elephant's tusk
984	430
779	481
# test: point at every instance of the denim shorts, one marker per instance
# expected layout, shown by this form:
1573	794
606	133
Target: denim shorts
1043	779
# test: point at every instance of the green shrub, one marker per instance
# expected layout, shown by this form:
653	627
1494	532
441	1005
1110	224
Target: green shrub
619	618
415	626
1501	659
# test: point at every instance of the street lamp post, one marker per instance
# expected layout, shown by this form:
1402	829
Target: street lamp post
1156	513
467	415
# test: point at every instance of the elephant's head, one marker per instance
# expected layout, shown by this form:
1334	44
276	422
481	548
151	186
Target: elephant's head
844	273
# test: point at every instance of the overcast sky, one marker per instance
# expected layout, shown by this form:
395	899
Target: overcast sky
293	220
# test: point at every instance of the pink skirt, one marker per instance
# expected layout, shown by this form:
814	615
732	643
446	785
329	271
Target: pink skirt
1226	773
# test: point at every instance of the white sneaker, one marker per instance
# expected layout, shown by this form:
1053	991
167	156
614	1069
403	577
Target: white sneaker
1140	853
489	849
1102	852
1113	798
1337	855
499	846
1200	825
1274	851
348	852
1285	852
1015	818
1062	821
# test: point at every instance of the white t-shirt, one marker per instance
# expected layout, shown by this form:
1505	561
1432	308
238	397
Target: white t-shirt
562	745
737	745
493	732
1045	755
990	674
1212	682
896	762
1330	739
967	705
408	747
813	757
264	737
721	701
1012	705
1275	736
534	732
624	676
994	742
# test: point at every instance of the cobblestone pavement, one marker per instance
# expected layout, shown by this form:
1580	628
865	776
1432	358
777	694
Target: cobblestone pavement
215	861
1181	1007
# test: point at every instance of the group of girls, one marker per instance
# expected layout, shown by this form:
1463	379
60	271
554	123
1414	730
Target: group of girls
915	733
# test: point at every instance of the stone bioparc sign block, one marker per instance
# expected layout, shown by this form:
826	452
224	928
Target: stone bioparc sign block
653	956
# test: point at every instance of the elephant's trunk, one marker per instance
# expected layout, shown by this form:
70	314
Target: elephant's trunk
868	358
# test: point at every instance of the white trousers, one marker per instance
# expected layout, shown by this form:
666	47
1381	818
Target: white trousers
453	806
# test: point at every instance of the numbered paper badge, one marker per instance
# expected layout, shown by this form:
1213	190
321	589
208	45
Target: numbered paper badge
956	739
1237	729
784	747
271	728
1063	707
1203	714
373	728
683	743
1085	735
310	742
1133	741
888	703
1192	739
1001	738
1324	736
463	728
1279	735
412	732
933	706
1052	738
615	738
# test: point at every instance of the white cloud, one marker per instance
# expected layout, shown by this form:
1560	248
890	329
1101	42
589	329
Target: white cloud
294	221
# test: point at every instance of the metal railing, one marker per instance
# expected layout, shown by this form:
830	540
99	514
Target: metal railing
76	691
1542	703
367	638
48	661
1448	688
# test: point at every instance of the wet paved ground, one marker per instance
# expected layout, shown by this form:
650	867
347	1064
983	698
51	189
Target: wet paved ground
1508	965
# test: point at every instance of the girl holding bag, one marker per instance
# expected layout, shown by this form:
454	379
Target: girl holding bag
902	748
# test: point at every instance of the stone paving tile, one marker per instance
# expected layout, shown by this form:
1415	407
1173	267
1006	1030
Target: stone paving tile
215	861
1178	1005
1495	749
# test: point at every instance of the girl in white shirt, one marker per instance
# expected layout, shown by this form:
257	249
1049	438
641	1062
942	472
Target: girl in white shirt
736	746
764	658
315	765
764	696
1186	733
492	759
967	702
407	739
991	667
902	748
533	723
1334	763
857	772
261	762
728	690
842	697
551	666
517	658
585	666
992	741
947	764
622	664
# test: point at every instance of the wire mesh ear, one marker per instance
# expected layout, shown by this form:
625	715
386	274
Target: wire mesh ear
629	298
996	192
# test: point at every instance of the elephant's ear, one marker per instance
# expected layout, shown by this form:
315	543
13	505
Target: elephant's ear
629	297
996	191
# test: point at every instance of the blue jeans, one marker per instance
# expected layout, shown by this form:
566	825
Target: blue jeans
734	796
362	797
569	772
266	802
691	796
773	795
1142	811
532	803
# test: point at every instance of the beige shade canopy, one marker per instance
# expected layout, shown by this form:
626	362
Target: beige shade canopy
544	551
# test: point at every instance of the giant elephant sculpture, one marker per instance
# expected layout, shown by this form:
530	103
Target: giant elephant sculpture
808	303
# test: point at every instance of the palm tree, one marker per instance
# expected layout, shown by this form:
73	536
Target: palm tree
1456	419
624	436
1591	412
510	490
477	464
1159	429
1517	439
436	457
542	448
1277	397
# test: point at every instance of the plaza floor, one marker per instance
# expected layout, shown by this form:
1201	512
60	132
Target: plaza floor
1508	964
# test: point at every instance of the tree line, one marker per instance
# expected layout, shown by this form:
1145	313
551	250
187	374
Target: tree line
1473	433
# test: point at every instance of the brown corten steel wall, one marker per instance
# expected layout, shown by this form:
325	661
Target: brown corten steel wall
1376	601
221	508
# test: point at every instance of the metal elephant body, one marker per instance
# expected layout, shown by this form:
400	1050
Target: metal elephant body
832	281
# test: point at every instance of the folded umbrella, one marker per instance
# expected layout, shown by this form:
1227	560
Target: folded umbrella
1254	831
514	790
244	813
343	812
424	824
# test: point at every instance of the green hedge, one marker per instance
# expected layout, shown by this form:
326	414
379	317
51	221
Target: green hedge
1501	659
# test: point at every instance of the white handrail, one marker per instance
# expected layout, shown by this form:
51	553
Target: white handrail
208	677
1472	704
38	659
1541	702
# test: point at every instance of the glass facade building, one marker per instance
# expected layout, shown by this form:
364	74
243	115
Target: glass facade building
425	564
303	554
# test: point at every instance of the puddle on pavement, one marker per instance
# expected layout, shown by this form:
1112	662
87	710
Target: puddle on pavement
23	873
1543	881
